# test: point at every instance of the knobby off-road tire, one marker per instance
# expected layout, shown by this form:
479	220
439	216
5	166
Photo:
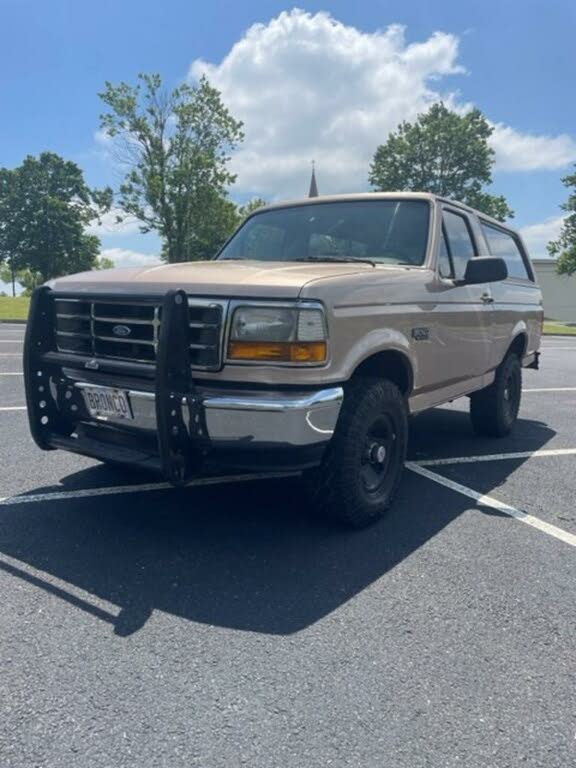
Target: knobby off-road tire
494	410
361	471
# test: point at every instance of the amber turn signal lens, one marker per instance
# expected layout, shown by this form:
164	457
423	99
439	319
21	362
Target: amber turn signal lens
278	351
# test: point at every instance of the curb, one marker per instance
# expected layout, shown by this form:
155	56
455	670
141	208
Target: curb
14	322
560	335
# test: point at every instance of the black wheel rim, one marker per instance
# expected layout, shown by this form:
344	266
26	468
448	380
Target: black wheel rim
378	453
511	394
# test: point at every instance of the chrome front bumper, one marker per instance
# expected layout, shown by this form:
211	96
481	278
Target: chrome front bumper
249	419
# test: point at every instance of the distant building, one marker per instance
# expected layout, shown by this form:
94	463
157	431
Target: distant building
313	192
559	291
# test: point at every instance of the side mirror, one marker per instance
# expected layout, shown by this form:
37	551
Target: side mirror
485	269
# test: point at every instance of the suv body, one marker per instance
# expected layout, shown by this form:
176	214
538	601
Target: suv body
246	361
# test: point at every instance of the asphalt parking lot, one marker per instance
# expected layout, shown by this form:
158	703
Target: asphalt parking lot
221	626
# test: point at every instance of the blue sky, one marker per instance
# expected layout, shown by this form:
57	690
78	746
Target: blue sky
327	86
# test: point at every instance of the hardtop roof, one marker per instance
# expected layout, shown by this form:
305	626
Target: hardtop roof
429	196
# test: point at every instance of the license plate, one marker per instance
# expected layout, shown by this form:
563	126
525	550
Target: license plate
104	403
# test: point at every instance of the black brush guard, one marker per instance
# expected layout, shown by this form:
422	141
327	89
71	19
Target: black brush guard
53	410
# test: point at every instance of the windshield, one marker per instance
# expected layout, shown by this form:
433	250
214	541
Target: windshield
380	231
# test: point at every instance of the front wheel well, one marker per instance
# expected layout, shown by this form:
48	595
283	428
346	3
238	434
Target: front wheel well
519	345
391	365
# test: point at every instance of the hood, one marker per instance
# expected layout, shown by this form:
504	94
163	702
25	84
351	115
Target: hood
209	278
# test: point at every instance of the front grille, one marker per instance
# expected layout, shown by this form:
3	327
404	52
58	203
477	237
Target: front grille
130	331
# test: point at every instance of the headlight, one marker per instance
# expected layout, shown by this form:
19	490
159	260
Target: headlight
278	334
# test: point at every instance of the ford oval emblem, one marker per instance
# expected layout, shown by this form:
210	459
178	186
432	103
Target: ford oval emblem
121	330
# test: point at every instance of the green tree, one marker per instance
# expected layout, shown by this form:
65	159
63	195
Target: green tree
174	147
212	231
27	279
103	262
564	248
45	205
252	205
8	211
444	153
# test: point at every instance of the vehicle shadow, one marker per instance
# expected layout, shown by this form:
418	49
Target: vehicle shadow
247	556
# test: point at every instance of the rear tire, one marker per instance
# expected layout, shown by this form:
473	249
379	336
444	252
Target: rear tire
494	410
363	464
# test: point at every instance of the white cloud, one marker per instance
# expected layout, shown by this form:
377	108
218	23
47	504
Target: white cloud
309	87
102	138
123	257
109	224
537	236
527	152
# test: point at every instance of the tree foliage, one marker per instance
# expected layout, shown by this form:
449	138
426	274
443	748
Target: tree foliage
248	208
174	148
444	153
45	206
103	262
564	248
26	278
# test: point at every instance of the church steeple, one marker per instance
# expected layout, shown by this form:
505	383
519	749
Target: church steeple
313	186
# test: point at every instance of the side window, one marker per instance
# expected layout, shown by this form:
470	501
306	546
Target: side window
504	245
444	260
460	243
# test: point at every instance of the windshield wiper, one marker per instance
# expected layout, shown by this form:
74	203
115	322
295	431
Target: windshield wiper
334	257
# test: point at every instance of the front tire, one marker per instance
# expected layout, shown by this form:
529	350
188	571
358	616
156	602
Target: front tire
361	471
494	410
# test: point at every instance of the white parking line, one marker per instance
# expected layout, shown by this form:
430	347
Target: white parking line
84	493
11	373
550	389
489	501
11	341
495	457
115	490
10	354
13	408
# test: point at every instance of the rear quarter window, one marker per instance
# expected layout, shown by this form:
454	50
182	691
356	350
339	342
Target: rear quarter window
505	245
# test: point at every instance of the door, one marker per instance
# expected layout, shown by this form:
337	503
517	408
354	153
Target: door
464	321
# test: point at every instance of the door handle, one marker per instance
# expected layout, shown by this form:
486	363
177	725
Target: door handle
486	299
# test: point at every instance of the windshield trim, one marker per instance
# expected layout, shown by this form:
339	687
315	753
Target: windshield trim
265	209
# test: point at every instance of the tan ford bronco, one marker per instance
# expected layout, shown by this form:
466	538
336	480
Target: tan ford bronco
305	344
